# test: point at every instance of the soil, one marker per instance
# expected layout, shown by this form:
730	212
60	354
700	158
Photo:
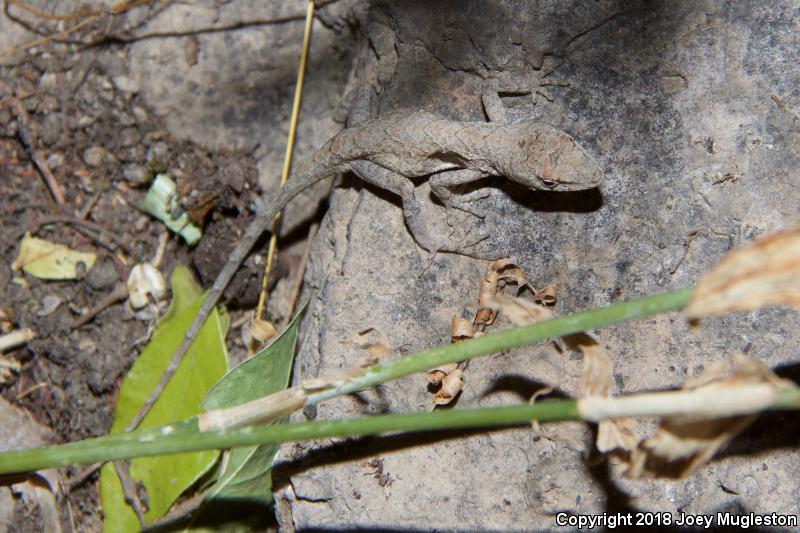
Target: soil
103	147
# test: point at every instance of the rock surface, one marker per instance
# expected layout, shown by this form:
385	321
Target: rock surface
693	110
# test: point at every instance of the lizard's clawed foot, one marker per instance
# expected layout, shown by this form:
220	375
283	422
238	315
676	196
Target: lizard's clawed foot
463	203
467	249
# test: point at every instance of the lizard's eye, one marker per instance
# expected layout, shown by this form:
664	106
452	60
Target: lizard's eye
550	184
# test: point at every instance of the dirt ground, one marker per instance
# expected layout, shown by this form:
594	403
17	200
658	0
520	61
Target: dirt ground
103	148
691	108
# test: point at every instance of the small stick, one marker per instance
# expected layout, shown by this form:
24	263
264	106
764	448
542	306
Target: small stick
129	490
287	158
84	226
120	292
83	215
82	476
28	141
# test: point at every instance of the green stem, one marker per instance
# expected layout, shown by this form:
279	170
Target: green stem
184	438
505	340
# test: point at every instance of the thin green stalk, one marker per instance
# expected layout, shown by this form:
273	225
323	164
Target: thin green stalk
161	441
184	437
507	339
788	398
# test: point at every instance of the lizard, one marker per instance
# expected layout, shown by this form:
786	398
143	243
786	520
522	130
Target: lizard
393	148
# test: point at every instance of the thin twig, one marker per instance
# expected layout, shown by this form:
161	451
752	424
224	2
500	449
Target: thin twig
91	16
81	477
180	512
129	490
84	213
84	225
25	135
120	292
287	160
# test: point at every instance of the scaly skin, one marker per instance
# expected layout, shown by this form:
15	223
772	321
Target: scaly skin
389	150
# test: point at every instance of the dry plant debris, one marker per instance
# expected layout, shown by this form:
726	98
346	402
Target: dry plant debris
47	260
713	407
145	285
377	350
766	272
262	330
503	272
682	444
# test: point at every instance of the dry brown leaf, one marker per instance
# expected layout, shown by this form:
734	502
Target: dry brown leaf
616	434
262	330
546	295
597	374
683	444
460	329
451	386
766	272
521	312
502	272
437	374
6	319
596	380
509	272
485	315
376	350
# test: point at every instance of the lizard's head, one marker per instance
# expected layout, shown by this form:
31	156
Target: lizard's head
550	159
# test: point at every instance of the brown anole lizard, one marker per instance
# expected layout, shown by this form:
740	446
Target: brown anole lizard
389	150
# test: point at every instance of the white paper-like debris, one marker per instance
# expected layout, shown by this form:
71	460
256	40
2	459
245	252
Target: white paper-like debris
145	284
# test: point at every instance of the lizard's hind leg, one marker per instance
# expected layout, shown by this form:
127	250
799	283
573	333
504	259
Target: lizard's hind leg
441	183
412	210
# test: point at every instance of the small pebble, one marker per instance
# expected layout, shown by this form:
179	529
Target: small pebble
102	276
140	114
55	160
136	175
129	136
158	152
51	129
49	305
94	156
131	154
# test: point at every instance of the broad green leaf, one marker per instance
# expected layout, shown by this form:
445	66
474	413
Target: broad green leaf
244	487
166	477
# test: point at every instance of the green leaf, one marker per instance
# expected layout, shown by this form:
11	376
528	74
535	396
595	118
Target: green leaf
244	487
166	477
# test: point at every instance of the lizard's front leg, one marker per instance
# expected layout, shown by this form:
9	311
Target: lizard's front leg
412	210
441	183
